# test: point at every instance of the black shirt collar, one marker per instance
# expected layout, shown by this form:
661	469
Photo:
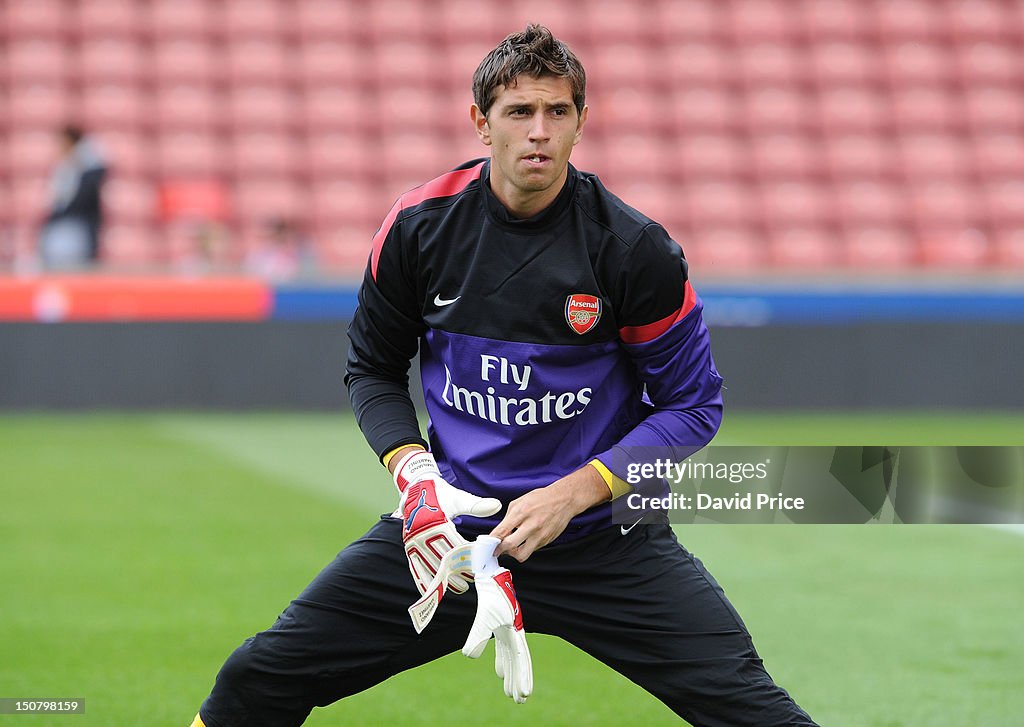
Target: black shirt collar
546	216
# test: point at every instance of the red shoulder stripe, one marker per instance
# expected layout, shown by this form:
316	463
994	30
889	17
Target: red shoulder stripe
643	334
444	186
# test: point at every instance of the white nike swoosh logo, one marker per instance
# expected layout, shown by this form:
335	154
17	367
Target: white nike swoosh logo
441	302
625	530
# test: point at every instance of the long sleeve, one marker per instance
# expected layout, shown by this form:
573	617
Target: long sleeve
383	339
663	332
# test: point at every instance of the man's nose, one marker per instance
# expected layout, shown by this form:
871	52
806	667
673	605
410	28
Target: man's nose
539	128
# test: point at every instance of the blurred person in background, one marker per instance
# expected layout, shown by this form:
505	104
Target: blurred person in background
283	253
71	231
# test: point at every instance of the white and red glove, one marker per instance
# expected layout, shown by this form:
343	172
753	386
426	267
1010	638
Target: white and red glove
498	614
427	505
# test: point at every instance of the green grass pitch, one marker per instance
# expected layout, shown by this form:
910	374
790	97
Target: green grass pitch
139	550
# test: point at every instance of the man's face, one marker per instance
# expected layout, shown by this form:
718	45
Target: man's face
531	128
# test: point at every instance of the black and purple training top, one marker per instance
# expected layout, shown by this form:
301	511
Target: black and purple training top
544	342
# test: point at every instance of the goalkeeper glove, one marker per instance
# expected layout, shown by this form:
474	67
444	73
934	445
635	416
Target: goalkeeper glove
498	613
427	505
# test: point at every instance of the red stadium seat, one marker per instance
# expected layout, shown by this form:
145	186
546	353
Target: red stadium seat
752	20
415	154
343	250
388	20
959	249
870	202
703	108
615	109
193	200
111	60
850	109
1005	201
674	21
621	64
262	107
979	19
463	20
658	201
38	105
340	108
1008	246
564	20
719	202
186	60
999	156
326	63
907	18
699	62
259	61
934	156
128	152
256	201
32	153
794	203
338	154
346	202
257	155
183	19
709	156
38	60
406	62
926	108
844	62
404	107
880	249
461	58
184	107
191	155
778	156
110	18
30	197
989	63
131	246
918	62
856	156
129	199
616	22
777	108
6	217
994	108
264	19
835	19
767	63
725	250
329	20
637	157
38	19
112	106
806	247
944	204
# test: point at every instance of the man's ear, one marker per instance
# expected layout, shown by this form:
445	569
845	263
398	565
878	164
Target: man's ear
579	125
480	124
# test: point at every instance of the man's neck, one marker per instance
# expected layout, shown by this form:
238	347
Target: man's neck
527	204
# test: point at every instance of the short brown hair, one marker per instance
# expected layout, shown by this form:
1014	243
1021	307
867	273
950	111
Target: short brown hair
533	52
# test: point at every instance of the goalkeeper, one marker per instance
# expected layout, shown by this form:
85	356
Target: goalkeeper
557	331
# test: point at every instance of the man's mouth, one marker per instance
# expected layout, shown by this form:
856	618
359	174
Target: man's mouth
536	158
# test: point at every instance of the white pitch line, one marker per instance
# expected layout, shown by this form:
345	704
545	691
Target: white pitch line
1015	528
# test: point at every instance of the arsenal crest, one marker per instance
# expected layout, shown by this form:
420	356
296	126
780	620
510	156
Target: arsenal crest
582	312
